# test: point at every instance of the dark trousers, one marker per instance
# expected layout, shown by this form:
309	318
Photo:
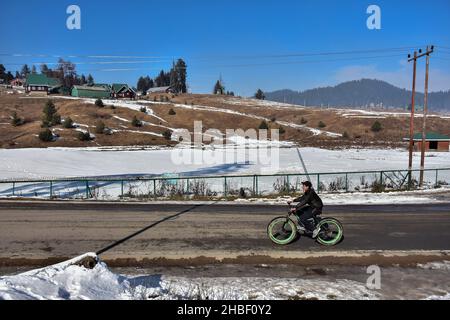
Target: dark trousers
304	214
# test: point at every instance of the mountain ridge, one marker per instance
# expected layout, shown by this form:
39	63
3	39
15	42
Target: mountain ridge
363	93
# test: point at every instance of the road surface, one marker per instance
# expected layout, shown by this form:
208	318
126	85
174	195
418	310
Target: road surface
51	231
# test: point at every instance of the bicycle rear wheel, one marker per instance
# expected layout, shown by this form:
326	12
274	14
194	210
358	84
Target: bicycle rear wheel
331	232
282	230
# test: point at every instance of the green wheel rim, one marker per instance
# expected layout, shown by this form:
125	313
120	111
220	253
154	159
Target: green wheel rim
336	239
278	221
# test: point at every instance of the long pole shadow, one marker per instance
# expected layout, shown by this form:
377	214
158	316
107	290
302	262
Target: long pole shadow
118	242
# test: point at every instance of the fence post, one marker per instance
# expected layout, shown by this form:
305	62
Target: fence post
225	187
254	185
51	190
381	177
187	186
154	189
14	189
318	183
346	182
436	178
121	189
87	189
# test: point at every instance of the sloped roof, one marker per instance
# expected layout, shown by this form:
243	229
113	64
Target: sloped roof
431	136
158	89
42	79
91	88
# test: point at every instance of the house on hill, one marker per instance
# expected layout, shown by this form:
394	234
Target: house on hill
122	91
41	84
433	142
98	92
167	89
18	82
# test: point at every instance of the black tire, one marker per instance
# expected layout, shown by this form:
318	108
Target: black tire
285	233
332	233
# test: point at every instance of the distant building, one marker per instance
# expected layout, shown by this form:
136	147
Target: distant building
122	91
18	82
99	92
167	89
41	84
433	142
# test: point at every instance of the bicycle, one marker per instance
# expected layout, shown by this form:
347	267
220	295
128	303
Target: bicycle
284	229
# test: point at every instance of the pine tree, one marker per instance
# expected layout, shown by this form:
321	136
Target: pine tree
90	80
136	122
16	120
33	69
83	80
376	126
263	125
46	135
167	134
44	69
140	84
25	71
100	127
178	76
68	123
50	116
99	103
260	95
218	88
84	136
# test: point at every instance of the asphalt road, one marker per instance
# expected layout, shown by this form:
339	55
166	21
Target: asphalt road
42	230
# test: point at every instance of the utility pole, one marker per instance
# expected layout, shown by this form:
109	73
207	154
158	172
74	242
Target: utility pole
411	124
424	122
411	121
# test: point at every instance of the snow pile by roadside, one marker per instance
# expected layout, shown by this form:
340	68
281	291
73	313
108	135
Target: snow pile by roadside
419	196
68	281
444	265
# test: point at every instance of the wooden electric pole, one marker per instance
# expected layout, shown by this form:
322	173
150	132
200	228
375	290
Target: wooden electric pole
424	120
411	122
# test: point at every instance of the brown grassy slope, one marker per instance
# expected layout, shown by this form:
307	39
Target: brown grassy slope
360	134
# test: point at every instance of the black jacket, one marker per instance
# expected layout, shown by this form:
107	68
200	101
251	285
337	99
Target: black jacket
311	198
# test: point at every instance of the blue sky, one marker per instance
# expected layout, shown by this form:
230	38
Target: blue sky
240	40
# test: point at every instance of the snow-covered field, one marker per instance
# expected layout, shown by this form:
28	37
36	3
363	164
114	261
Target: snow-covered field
126	163
82	162
67	281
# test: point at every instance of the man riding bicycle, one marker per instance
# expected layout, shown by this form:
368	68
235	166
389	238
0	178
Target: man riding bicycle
308	206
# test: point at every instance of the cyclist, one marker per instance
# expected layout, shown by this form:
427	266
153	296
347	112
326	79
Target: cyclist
308	206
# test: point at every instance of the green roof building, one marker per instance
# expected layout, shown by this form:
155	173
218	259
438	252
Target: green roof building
90	92
40	83
433	142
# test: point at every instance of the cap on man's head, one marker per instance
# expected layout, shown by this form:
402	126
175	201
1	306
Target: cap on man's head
307	183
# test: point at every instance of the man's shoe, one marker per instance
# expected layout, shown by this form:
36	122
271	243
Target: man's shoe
316	232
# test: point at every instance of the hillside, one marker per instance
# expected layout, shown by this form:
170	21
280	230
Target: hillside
341	127
361	93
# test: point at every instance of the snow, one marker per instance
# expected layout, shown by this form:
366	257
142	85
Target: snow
405	197
117	103
355	113
136	131
66	281
444	265
129	162
63	162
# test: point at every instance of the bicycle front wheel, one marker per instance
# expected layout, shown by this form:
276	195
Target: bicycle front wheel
281	230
